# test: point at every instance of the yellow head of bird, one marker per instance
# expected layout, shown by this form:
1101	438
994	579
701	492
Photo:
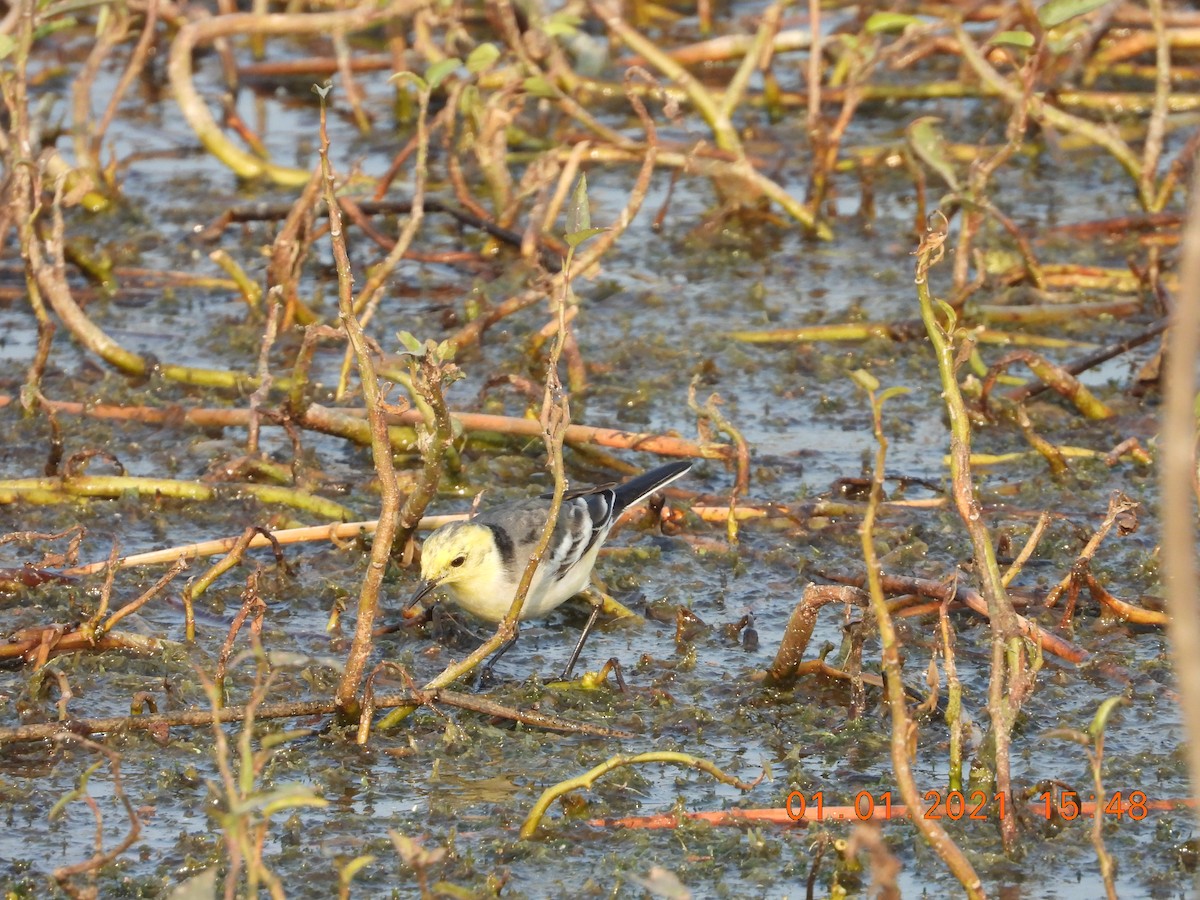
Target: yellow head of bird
455	553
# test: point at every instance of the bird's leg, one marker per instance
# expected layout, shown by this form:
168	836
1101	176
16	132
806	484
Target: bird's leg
583	636
614	666
486	676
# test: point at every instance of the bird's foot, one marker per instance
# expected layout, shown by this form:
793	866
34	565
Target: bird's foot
485	680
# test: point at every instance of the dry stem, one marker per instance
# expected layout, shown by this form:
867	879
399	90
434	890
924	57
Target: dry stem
903	729
1009	680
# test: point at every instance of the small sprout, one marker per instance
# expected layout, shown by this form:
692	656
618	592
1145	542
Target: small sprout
562	24
579	213
948	313
322	90
287	796
1013	39
441	70
469	103
537	86
929	144
1058	11
1100	720
412	77
347	872
70	796
411	344
890	22
482	58
579	216
865	380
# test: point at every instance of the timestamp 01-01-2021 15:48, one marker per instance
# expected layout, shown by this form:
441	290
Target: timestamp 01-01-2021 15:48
1063	804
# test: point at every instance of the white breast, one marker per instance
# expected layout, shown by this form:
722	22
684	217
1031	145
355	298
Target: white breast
489	595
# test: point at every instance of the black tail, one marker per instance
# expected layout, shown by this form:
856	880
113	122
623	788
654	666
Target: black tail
637	489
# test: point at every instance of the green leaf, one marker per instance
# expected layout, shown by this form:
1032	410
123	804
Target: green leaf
579	211
537	86
286	796
896	390
352	868
1100	720
468	101
890	22
482	58
562	24
441	70
71	796
1064	39
1058	11
59	23
291	799
929	145
865	380
997	261
1014	39
575	238
411	344
948	313
416	79
7	46
579	216
278	738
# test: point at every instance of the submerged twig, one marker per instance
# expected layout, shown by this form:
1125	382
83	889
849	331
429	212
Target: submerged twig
298	709
1010	679
63	875
197	33
1122	512
902	728
587	779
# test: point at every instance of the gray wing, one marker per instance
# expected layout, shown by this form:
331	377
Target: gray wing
583	521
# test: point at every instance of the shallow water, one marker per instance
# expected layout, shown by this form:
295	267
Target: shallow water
659	312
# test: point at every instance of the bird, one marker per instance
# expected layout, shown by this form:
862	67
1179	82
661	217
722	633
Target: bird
479	562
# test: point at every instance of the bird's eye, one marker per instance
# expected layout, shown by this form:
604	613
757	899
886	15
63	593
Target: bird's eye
458	561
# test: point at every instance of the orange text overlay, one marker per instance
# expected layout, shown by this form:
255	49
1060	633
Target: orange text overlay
978	805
